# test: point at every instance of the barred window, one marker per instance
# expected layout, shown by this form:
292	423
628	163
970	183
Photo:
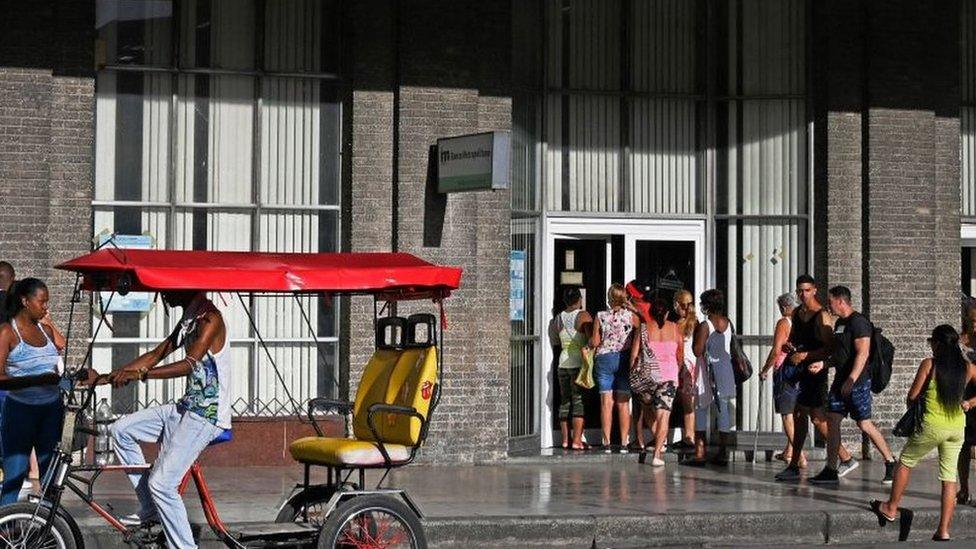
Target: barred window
218	127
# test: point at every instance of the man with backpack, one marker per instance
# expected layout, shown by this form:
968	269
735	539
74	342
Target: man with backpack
850	393
810	341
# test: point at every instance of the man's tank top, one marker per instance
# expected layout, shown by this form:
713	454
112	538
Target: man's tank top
804	334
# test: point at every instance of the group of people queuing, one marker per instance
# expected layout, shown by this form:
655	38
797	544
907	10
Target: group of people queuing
691	364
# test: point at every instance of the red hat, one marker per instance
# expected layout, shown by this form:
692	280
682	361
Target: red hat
639	289
634	291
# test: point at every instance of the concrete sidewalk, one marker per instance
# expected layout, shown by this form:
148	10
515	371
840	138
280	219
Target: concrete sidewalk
582	500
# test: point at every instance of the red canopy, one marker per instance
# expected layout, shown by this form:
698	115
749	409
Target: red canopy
396	275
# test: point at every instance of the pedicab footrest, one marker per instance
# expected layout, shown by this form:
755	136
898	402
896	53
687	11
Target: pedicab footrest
277	531
342	452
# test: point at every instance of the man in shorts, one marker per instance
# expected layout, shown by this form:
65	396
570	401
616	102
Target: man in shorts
811	337
850	393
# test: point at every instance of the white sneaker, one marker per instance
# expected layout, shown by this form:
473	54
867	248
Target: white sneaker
25	491
657	462
135	520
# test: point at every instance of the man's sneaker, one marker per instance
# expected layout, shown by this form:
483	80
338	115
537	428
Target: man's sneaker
135	520
889	472
789	474
826	476
846	467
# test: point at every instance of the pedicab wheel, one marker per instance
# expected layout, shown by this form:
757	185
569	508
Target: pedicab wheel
374	522
21	525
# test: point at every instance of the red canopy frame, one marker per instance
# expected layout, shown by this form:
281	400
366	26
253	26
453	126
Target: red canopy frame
389	276
386	276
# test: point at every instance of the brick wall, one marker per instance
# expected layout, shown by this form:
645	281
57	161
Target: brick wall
46	137
421	73
369	176
892	174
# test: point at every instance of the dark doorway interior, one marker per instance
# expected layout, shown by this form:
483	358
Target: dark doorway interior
581	263
667	266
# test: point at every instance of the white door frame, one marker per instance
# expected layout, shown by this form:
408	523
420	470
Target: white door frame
689	230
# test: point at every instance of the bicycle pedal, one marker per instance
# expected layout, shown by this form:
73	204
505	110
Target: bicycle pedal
147	536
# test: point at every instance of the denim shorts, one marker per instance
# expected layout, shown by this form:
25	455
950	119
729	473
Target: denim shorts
857	405
785	393
611	373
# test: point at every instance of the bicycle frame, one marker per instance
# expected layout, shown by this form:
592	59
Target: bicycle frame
84	487
65	475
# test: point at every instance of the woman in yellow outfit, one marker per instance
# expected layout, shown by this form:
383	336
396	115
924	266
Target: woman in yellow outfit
942	379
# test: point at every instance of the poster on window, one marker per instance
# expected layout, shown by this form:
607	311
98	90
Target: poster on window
516	277
132	302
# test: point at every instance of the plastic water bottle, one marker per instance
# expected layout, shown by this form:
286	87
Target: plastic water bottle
103	443
86	419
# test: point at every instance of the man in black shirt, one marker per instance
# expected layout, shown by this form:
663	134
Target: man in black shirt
6	280
850	393
809	343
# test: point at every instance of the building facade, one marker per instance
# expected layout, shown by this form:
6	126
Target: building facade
690	143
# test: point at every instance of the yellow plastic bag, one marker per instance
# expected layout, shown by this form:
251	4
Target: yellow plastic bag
585	376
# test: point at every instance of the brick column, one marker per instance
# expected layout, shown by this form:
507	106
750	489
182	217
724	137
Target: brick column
46	142
892	174
420	73
370	168
839	87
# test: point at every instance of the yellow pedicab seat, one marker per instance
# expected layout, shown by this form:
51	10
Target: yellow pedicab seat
389	416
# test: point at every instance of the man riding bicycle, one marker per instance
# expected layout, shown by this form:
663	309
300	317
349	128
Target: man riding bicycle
185	427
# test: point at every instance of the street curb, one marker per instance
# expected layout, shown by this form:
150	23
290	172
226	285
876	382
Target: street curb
585	531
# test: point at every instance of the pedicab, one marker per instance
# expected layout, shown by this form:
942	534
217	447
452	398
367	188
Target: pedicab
390	417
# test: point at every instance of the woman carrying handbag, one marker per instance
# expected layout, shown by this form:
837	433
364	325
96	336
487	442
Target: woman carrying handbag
570	328
935	419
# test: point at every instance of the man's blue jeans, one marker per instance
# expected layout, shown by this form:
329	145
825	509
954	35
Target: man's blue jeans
183	435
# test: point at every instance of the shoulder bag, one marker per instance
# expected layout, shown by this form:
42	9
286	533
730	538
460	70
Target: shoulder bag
911	421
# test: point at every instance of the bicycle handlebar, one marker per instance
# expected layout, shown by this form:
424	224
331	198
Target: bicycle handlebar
101	379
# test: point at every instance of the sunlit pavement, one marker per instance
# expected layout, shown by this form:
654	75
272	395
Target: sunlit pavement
572	501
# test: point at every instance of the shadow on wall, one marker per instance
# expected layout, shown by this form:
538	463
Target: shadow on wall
435	204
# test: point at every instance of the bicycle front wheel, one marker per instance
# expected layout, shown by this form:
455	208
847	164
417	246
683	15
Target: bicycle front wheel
22	526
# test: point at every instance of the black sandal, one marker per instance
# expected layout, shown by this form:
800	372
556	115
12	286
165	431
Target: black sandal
883	519
935	537
905	526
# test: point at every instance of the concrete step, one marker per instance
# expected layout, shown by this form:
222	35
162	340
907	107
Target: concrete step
632	531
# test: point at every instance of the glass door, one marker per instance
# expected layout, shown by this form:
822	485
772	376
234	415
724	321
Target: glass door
666	265
592	253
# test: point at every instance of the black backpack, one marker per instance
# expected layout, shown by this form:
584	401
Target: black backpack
880	361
